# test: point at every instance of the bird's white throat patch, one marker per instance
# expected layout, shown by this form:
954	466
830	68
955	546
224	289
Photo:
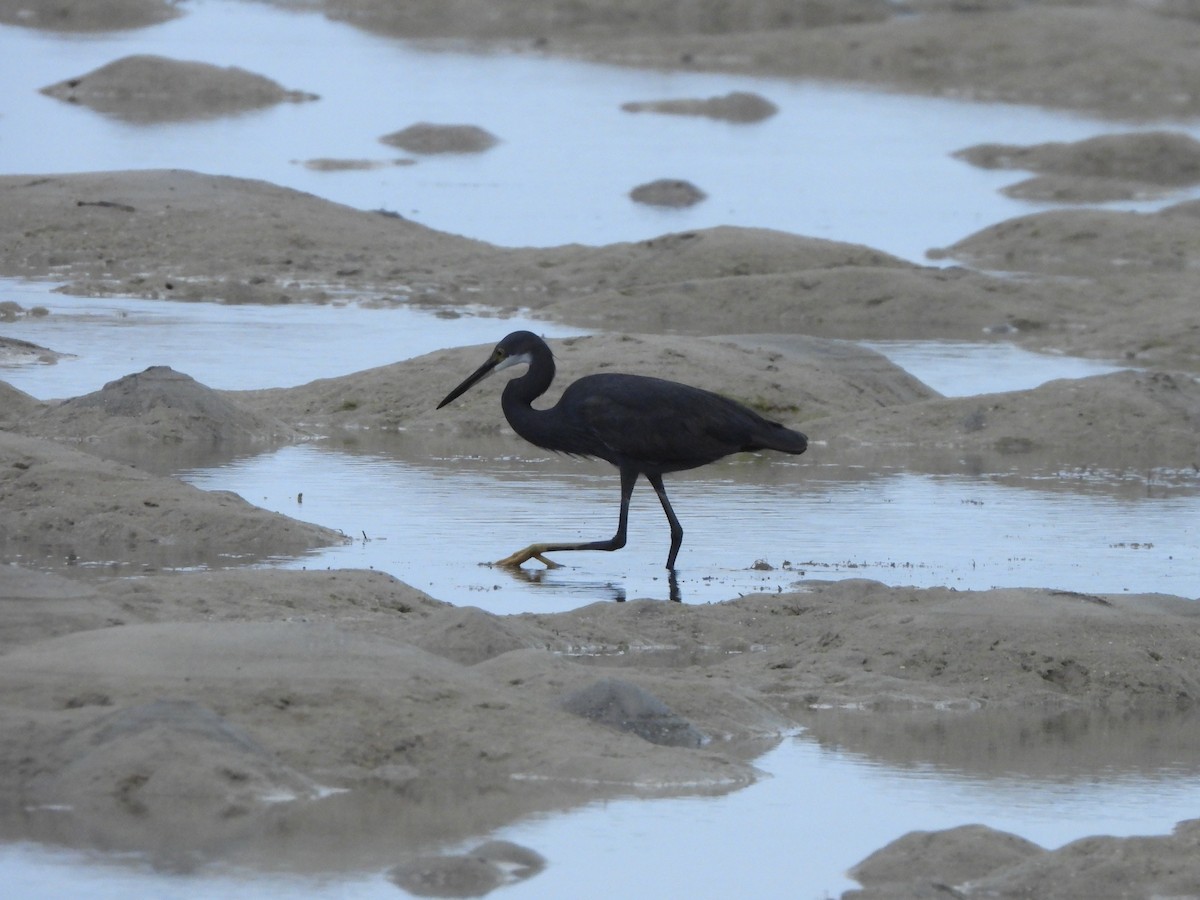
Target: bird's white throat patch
515	360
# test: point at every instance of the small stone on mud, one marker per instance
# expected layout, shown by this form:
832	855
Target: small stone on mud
628	707
428	138
472	874
668	192
736	106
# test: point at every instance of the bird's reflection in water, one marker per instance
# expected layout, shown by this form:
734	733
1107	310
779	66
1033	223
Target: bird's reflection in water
599	590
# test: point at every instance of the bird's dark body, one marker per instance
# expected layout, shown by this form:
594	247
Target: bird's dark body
642	425
654	425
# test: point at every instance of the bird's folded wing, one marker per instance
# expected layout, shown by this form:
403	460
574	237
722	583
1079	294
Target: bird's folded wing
662	422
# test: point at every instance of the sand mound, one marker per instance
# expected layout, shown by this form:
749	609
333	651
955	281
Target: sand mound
1156	157
736	106
629	707
358	597
186	236
1086	242
950	857
16	406
336	702
709	253
14	351
428	138
62	505
1122	248
549	20
155	758
667	192
153	408
1134	62
147	88
1122	419
468	635
1105	168
472	874
91	15
852	301
982	862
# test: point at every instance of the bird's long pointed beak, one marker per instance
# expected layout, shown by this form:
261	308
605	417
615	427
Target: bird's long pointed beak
471	380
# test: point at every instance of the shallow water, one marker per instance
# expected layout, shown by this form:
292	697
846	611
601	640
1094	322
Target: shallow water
967	368
791	835
228	347
801	518
568	158
795	834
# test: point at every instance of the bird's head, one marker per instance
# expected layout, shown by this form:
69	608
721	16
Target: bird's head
515	349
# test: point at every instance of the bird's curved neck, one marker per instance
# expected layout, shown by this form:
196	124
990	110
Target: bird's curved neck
519	394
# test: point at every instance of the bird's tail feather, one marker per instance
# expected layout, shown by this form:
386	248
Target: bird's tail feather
785	440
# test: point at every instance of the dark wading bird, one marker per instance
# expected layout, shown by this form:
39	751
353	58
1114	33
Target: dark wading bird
642	425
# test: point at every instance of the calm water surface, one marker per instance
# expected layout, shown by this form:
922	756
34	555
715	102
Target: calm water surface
228	347
791	835
798	518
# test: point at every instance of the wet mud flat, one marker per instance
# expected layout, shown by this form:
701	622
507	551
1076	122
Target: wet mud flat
179	713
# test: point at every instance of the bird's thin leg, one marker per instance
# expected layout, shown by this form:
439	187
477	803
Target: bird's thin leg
616	542
656	482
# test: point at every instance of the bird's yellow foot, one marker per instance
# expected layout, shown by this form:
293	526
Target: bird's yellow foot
533	551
